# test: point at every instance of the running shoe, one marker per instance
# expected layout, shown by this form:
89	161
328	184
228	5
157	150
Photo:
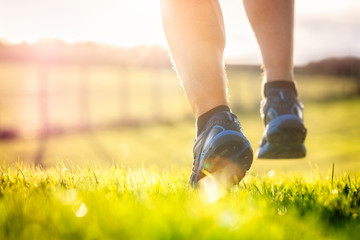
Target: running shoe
221	151
285	132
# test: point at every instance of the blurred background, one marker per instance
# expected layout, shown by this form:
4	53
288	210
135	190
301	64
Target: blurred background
90	81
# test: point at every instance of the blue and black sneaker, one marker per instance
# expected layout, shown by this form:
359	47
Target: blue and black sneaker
221	148
285	132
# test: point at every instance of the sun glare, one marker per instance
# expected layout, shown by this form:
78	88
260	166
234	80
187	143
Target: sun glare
128	23
121	23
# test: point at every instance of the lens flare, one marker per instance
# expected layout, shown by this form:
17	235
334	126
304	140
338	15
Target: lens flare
210	189
215	185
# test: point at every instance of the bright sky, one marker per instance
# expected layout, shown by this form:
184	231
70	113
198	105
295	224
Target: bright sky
323	27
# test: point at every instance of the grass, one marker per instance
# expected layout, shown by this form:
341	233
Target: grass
115	203
131	183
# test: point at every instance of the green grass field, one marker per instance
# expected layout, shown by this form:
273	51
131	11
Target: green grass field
115	203
131	183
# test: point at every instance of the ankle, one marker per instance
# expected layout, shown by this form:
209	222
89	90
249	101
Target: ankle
279	84
204	118
275	75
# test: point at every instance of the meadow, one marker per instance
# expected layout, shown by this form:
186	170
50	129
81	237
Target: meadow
123	182
115	203
139	188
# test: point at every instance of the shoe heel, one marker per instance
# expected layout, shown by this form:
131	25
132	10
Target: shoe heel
286	130
231	152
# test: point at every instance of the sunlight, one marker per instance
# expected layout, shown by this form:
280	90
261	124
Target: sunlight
121	23
211	190
215	185
129	23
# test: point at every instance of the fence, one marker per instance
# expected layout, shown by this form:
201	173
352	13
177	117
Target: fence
42	100
46	100
38	101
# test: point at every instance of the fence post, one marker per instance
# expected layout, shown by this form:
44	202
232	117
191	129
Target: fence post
157	95
124	95
43	102
43	108
84	103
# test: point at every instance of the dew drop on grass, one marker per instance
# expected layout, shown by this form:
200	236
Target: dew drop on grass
334	191
80	210
227	219
271	173
282	210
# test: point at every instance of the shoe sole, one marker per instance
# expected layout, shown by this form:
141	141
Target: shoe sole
227	159
285	136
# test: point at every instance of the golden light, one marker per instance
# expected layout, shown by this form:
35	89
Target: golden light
215	186
120	23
